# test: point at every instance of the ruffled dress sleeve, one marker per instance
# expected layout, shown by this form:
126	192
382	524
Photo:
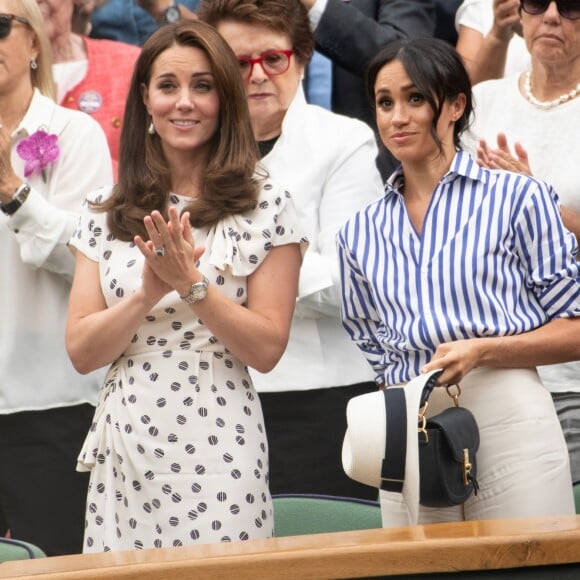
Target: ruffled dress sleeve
91	226
240	243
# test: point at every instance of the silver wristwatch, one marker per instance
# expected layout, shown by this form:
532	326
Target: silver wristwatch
17	200
197	292
171	14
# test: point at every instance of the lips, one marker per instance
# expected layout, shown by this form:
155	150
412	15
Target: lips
552	37
259	96
401	136
184	122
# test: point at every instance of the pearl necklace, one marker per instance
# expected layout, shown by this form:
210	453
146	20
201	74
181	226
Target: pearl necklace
548	104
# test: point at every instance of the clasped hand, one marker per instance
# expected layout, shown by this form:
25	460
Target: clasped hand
173	268
456	359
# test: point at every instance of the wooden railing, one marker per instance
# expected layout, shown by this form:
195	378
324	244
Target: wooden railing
444	548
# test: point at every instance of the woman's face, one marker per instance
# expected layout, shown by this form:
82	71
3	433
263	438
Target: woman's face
550	38
17	50
57	16
404	117
269	96
182	100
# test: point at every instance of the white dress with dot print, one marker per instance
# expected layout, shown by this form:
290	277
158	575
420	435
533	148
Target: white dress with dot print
177	449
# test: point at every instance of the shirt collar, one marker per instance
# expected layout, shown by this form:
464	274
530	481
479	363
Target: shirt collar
463	165
293	116
39	115
396	181
293	119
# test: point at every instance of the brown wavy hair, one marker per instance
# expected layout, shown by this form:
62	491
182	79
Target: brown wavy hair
286	16
229	186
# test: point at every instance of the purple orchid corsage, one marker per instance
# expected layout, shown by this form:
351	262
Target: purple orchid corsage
38	150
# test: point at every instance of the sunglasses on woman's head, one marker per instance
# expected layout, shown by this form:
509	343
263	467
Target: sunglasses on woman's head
6	21
569	9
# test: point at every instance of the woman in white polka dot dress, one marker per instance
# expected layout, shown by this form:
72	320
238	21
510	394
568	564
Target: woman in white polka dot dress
187	271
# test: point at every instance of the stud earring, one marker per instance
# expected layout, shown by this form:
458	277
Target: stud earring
33	64
151	129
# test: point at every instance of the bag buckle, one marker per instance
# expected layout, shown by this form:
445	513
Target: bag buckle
466	467
422	420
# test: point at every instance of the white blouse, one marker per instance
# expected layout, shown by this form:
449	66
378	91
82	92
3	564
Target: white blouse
36	266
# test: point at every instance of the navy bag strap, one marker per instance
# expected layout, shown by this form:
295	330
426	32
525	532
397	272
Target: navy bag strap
393	469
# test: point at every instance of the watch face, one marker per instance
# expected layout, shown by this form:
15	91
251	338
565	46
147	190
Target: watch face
197	292
172	14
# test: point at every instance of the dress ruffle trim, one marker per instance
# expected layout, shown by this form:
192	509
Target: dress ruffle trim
241	242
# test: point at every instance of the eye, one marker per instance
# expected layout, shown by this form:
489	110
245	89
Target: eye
165	86
244	64
203	86
272	59
416	98
384	103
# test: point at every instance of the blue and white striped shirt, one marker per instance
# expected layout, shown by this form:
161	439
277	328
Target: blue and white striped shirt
493	259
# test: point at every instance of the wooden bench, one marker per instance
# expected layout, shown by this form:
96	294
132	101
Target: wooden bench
535	546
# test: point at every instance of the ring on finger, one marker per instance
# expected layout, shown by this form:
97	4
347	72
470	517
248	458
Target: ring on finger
160	251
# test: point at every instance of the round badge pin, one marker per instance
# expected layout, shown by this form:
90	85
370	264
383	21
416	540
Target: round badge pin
90	101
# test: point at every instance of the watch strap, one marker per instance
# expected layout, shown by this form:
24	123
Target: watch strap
197	292
17	200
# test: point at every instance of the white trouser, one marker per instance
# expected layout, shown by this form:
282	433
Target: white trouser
522	462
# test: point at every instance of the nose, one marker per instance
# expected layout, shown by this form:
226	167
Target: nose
184	100
552	12
400	114
257	73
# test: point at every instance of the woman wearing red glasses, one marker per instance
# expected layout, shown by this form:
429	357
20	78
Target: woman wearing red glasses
534	118
327	161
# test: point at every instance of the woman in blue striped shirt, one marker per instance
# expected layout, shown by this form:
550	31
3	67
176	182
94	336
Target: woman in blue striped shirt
469	270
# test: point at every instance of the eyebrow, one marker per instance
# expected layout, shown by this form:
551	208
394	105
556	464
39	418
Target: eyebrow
171	75
409	87
261	53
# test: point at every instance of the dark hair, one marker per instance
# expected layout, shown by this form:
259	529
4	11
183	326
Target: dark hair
436	69
228	186
286	16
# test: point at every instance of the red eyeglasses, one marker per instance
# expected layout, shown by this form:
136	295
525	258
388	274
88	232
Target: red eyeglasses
273	62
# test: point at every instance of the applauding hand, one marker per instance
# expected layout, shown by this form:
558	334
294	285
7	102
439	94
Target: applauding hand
171	255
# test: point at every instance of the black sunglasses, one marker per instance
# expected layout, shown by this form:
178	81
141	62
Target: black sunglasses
6	23
569	9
